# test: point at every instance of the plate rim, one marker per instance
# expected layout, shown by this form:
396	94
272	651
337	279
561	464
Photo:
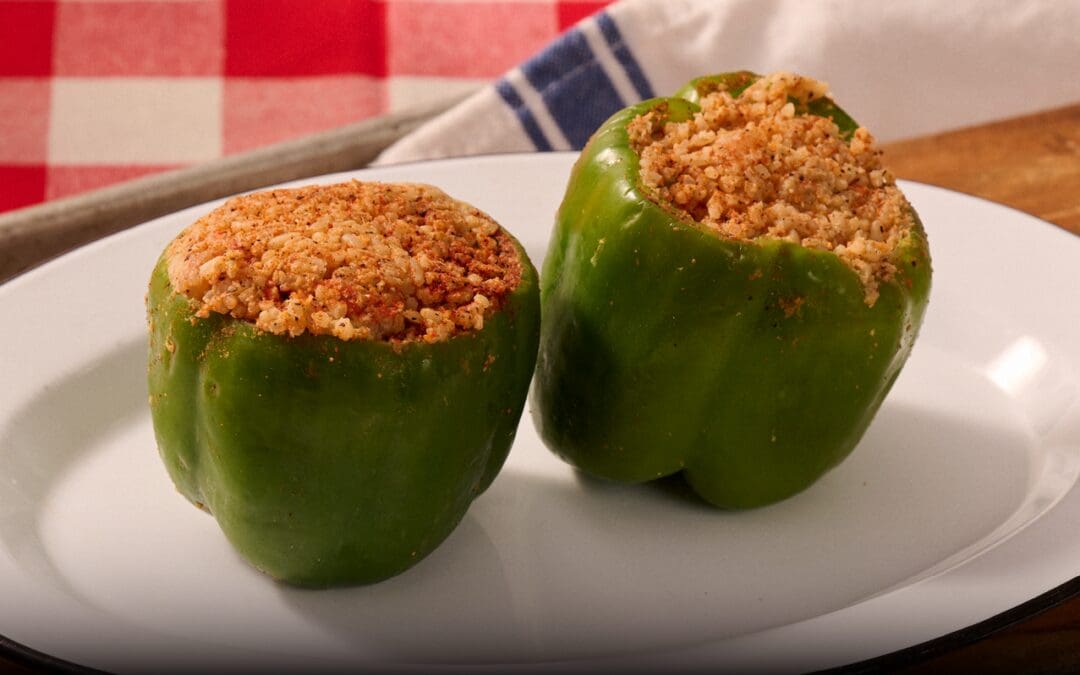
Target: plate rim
486	156
906	657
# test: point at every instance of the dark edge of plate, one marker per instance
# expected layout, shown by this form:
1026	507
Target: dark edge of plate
924	651
32	659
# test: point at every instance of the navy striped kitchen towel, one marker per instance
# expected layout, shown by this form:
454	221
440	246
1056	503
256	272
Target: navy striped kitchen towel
903	69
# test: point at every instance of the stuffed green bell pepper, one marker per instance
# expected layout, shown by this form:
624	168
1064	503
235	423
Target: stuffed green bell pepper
336	372
732	286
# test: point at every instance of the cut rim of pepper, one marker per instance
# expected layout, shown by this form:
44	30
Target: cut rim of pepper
750	158
377	261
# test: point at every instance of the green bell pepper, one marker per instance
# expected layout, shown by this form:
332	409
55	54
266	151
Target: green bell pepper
330	462
751	367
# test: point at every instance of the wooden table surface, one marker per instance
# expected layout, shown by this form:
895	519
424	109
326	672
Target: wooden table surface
1033	164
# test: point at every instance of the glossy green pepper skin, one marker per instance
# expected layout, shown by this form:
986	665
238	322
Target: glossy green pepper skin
750	367
329	462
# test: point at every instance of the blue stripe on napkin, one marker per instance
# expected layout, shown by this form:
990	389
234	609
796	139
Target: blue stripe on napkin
622	53
573	86
528	122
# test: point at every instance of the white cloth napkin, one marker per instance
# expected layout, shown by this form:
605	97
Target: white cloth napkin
900	68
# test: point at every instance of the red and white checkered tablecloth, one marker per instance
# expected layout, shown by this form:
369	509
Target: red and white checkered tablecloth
94	92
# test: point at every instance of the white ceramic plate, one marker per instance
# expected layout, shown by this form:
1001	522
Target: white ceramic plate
957	505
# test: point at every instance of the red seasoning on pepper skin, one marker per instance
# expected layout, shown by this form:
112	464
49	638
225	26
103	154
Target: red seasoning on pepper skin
357	260
750	167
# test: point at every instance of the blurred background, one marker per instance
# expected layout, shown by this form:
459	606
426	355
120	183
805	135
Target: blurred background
96	92
92	93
